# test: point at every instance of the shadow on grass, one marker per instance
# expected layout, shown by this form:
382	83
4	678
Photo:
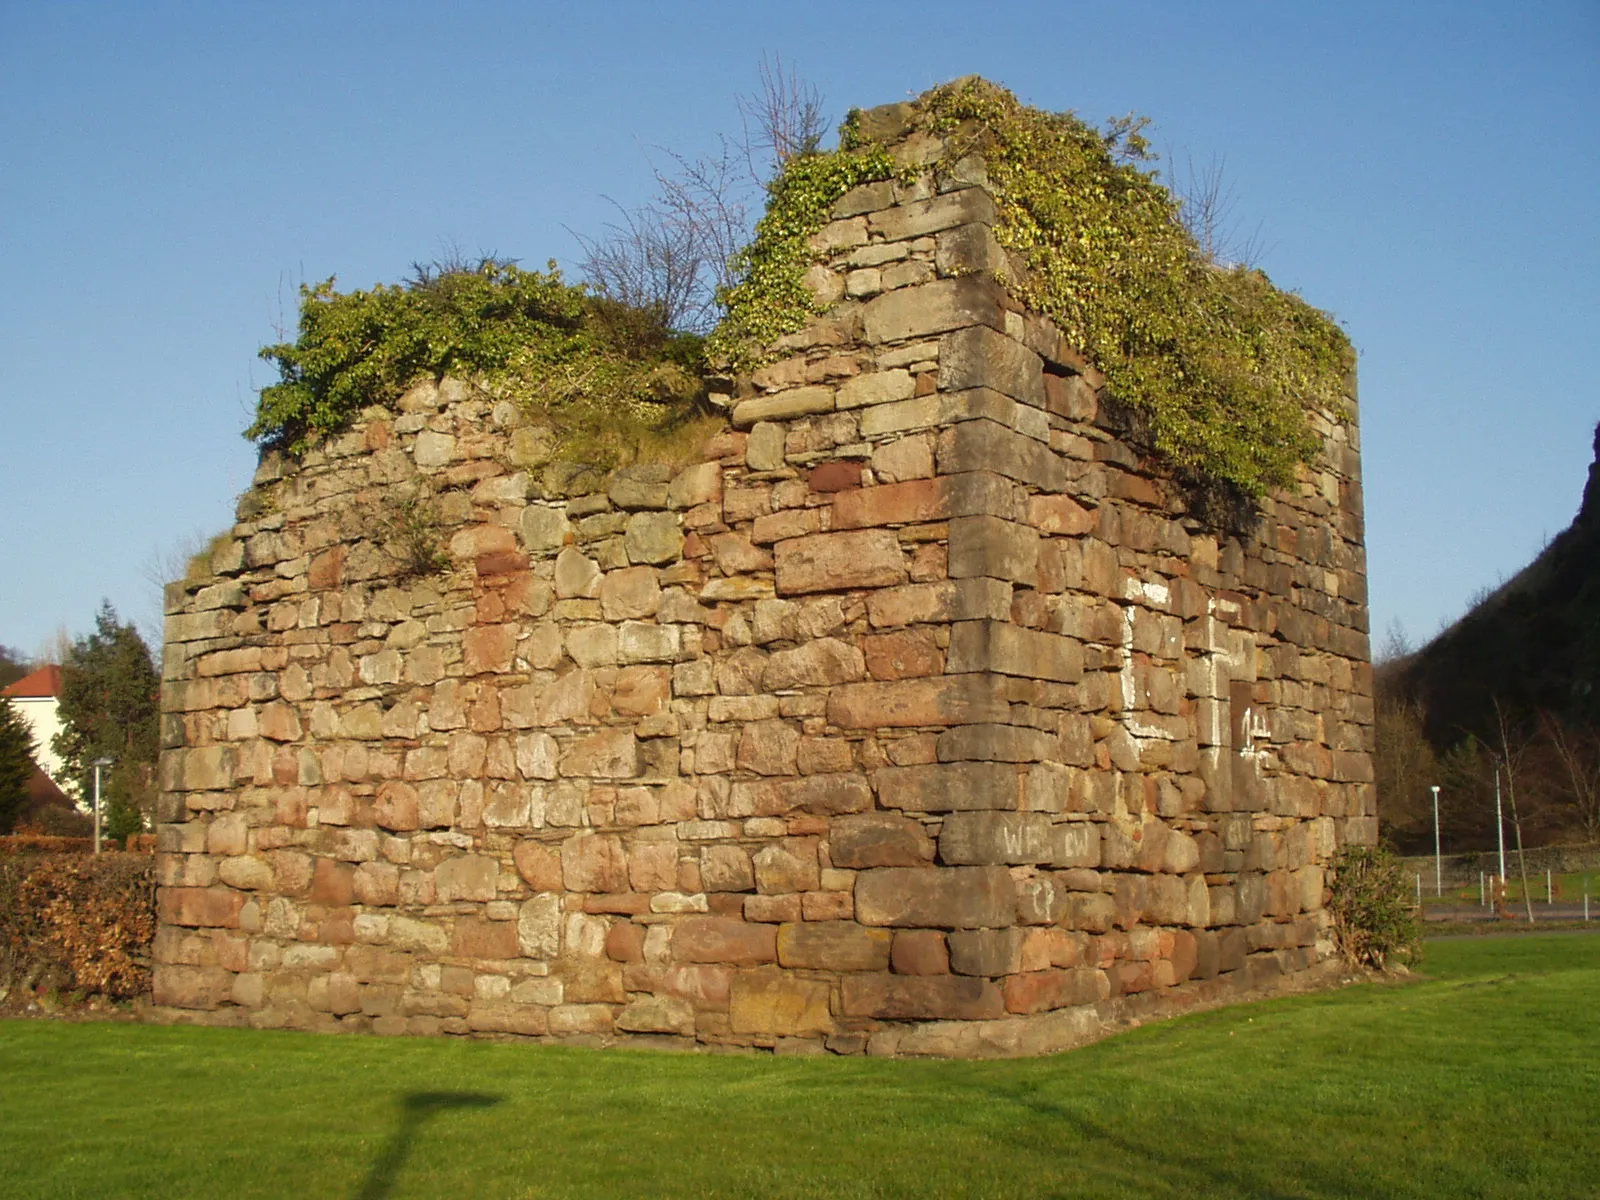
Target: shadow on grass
415	1110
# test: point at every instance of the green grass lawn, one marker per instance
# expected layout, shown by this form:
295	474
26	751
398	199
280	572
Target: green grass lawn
1481	1080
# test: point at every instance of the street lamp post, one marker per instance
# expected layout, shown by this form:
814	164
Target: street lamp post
98	763
1439	869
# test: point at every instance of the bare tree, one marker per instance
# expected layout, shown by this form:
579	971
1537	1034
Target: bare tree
671	255
1207	203
1512	760
783	119
1577	750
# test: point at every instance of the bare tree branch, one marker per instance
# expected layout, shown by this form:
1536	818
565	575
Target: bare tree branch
783	119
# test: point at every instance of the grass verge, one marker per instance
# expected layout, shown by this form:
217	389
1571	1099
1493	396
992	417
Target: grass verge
1480	1080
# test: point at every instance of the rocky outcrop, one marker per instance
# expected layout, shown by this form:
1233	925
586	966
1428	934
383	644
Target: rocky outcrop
919	716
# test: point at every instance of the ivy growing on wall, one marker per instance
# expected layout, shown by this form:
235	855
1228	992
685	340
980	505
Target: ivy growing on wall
770	298
1222	364
524	335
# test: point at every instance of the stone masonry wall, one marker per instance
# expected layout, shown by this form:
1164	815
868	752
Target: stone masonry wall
917	718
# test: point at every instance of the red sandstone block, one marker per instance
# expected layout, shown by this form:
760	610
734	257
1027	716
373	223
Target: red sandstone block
1059	515
327	568
831	562
920	997
876	839
625	942
1041	991
837	476
904	654
203	907
594	862
912	502
333	883
724	940
488	649
920	952
474	938
539	866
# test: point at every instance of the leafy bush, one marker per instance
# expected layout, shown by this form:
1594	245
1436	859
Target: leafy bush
77	922
1375	923
525	335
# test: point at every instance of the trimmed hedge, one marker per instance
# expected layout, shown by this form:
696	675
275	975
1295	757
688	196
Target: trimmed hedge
76	922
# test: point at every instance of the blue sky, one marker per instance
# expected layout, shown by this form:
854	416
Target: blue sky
169	173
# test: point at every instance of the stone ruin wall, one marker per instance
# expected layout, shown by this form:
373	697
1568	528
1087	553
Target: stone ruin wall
917	718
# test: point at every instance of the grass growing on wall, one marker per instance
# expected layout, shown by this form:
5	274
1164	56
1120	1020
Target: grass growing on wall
1479	1081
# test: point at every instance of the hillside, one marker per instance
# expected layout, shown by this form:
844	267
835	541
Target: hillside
1534	643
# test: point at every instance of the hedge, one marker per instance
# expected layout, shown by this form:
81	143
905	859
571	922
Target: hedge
74	922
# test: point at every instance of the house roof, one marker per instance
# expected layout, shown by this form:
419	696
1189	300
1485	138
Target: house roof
46	681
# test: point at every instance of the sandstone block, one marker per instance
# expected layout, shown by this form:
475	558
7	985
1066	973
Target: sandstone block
878	387
995	743
995	548
824	795
768	748
917	312
936	897
948	600
175	986
539	927
989	952
950	787
920	952
954	700
1060	515
544	530
632	592
577	575
473	937
653	537
981	357
770	1002
833	946
199	907
826	562
986	445
1013	650
789	866
1041	991
919	997
609	754
726	869
594	862
765	449
918	218
820	663
694	485
657	1014
708	939
466	877
783	406
993	838
874	839
904	654
640	641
